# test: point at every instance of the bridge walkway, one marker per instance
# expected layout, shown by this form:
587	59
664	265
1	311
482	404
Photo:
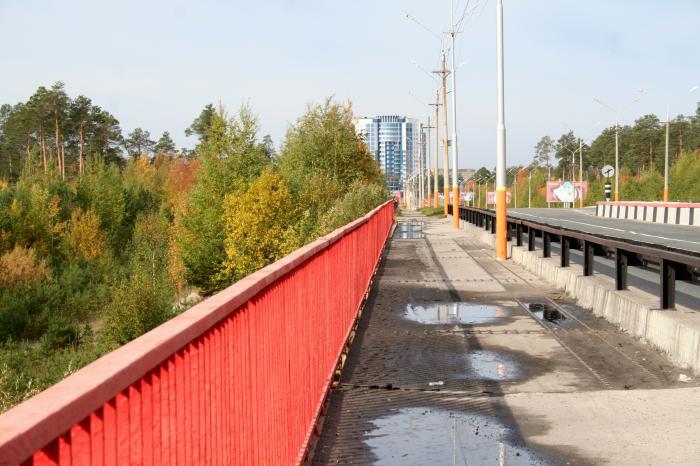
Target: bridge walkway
462	359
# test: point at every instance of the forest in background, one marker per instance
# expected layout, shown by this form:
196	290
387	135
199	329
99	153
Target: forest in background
104	236
641	156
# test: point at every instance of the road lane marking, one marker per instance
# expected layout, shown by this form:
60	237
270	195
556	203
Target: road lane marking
611	228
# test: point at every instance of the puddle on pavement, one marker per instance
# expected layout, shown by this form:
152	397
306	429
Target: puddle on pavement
491	365
455	313
549	314
409	230
418	436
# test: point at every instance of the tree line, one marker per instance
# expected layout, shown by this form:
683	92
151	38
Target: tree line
641	157
104	237
641	146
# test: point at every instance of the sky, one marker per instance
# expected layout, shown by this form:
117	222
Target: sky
155	63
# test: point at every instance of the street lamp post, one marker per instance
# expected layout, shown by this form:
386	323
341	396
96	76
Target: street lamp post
455	187
580	172
501	211
580	160
515	183
617	140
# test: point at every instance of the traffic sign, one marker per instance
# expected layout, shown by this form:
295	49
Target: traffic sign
607	171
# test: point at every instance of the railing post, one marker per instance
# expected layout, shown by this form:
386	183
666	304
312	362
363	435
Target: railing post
668	284
530	239
565	257
547	244
493	225
519	234
620	269
509	232
588	258
487	222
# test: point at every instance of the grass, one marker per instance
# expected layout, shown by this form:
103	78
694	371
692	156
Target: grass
433	212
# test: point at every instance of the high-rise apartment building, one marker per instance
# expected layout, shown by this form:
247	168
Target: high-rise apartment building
395	142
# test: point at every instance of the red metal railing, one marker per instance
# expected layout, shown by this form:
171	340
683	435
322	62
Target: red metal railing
238	379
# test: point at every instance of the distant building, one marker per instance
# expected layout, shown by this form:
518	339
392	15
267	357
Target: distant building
394	141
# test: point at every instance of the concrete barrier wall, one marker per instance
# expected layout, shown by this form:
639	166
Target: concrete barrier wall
674	332
653	212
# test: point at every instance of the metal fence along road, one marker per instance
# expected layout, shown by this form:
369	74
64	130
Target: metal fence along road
674	264
238	379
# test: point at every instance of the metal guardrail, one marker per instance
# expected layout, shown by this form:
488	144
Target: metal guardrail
673	265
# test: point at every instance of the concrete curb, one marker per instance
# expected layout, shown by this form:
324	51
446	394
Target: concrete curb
675	332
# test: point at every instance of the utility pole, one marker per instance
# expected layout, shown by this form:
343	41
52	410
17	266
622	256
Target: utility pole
421	164
430	191
501	214
580	173
668	130
617	158
446	169
455	186
437	144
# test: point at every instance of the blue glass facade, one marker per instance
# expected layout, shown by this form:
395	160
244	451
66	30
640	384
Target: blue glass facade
394	142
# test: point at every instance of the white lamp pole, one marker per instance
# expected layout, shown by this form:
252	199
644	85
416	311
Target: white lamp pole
455	187
501	215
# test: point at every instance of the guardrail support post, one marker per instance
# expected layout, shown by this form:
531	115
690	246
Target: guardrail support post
547	245
620	269
518	235
565	256
509	232
668	284
493	225
530	239
588	258
487	222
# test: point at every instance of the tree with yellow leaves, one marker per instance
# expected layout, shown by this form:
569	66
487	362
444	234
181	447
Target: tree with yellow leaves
84	239
260	226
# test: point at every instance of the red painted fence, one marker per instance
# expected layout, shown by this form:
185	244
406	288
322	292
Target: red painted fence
238	379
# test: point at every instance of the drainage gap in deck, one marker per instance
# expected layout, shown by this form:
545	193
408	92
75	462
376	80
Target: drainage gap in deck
550	315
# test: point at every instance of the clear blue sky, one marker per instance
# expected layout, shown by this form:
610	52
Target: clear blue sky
155	64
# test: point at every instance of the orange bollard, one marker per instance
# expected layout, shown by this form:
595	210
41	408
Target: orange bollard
501	234
455	208
446	201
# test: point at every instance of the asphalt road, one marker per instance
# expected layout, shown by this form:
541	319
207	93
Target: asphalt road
676	237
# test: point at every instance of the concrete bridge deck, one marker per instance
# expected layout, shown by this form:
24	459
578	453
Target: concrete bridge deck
461	359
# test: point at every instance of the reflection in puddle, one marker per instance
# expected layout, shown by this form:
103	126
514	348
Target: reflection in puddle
455	313
491	365
418	436
409	230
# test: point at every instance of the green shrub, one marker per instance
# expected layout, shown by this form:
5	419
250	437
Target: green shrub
360	199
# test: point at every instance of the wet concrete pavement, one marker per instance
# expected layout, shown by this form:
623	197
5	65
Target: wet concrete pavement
462	359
